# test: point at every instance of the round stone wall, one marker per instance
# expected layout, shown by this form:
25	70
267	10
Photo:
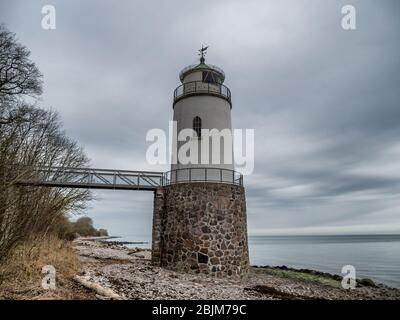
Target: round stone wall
201	228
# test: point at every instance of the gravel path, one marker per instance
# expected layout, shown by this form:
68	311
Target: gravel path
130	274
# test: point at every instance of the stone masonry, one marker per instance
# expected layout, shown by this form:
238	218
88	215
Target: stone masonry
201	228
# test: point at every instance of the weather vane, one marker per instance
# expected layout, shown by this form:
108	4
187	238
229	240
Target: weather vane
202	53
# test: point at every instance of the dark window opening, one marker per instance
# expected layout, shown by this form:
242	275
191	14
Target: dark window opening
197	126
210	77
202	258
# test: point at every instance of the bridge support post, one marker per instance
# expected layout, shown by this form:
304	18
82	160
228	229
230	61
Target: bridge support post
157	232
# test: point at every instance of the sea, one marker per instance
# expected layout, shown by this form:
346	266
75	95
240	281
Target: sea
373	256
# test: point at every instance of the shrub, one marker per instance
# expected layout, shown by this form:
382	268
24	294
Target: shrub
84	227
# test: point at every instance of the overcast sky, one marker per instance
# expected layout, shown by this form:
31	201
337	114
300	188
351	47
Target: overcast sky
324	102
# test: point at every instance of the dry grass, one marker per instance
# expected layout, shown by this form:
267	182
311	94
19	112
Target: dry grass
21	274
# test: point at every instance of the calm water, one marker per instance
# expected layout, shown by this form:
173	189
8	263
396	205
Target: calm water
374	256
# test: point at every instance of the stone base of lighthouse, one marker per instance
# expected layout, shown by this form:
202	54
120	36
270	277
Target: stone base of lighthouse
201	228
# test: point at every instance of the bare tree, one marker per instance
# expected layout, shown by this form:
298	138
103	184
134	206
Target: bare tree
18	75
26	146
30	138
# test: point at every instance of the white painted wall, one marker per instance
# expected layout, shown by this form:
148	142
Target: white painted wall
215	113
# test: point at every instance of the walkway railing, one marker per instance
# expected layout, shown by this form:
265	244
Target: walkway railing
200	87
94	178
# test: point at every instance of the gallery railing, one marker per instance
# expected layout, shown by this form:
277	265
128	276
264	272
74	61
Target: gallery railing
216	175
200	87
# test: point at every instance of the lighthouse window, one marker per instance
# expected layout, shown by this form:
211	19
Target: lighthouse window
210	77
197	126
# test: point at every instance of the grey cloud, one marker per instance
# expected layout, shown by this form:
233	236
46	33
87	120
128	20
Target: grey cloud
324	102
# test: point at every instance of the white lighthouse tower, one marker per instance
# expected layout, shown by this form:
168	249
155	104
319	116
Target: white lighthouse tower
199	218
203	103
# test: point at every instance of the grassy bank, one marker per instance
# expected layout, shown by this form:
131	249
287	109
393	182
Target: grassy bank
311	275
299	275
21	273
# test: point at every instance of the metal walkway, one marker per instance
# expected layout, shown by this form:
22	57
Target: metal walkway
94	179
89	178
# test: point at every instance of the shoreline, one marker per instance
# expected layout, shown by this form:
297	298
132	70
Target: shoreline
116	242
129	273
365	252
361	281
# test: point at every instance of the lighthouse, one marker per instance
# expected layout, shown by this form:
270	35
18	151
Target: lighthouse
203	104
199	218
